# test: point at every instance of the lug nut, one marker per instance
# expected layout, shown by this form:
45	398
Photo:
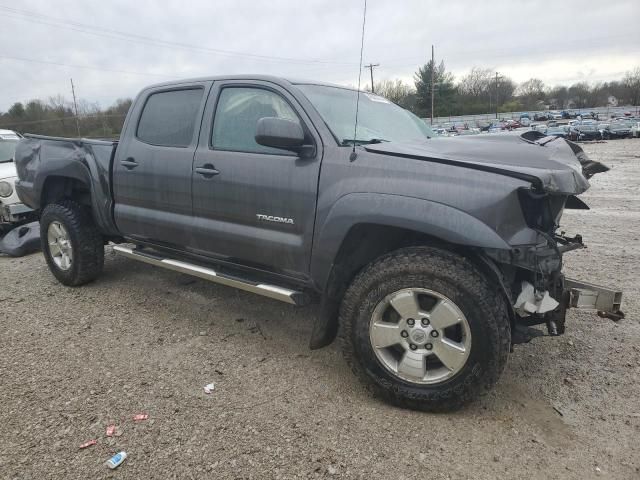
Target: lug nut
410	322
428	346
404	334
425	322
434	333
412	346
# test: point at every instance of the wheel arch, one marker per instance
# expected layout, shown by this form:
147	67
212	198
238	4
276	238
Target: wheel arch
395	223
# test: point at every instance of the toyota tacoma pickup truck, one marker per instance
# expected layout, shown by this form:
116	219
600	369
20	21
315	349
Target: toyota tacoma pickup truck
428	257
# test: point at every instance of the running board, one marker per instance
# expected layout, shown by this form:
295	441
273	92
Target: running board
272	291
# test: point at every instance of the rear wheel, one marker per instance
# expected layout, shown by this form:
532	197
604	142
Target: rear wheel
424	329
72	244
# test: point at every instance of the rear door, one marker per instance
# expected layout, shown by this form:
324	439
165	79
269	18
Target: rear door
152	168
254	204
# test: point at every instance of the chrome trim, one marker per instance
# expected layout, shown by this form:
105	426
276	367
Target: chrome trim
266	290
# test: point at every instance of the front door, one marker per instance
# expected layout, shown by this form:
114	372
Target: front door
152	168
253	204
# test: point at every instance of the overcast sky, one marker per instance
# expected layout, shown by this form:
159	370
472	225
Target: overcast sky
112	48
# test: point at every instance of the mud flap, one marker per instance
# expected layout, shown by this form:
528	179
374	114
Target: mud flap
22	240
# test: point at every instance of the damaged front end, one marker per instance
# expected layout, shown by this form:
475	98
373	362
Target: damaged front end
532	274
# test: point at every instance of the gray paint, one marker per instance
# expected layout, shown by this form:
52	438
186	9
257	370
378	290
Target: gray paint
461	190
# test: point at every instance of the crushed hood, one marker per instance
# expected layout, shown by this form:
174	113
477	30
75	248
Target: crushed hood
549	163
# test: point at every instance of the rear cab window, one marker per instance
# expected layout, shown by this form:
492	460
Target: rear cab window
168	118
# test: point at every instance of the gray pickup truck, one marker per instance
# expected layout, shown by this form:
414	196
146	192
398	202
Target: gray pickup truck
428	257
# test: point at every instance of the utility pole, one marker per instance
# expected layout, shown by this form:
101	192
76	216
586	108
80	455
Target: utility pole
371	66
75	107
433	67
496	95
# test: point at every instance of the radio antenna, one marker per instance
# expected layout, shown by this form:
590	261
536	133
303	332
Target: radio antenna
353	155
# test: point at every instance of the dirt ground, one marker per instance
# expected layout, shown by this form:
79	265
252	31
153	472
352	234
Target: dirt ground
140	339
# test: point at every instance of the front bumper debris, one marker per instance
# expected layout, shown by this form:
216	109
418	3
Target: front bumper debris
587	296
535	307
14	213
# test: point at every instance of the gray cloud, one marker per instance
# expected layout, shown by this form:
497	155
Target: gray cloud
563	43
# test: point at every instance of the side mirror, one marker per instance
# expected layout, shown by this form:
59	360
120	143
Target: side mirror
279	133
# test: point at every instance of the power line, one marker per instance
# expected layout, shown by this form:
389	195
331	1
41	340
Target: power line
43	19
101	69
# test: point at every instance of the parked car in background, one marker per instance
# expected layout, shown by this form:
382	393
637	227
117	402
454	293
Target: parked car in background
12	211
484	126
539	127
525	121
541	117
617	129
567	114
555	115
585	131
440	131
558	131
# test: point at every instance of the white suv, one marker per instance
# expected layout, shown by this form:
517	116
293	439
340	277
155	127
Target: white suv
12	210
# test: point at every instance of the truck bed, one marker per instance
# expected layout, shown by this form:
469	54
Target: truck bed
88	160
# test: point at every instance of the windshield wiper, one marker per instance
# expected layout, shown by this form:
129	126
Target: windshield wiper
351	141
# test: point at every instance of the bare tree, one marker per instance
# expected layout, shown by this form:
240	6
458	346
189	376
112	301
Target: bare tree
531	92
477	83
579	93
631	82
395	90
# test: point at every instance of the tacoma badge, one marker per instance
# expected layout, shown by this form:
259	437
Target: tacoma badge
271	218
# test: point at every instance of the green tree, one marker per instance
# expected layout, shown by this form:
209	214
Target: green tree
16	110
445	91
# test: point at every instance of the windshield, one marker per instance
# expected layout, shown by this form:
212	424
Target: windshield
378	118
7	150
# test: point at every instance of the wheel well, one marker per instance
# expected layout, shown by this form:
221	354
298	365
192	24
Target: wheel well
57	188
366	242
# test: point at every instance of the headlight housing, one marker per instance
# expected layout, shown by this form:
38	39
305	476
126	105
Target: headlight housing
6	189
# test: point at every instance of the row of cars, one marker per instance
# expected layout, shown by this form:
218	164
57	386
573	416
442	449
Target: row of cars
12	211
564	115
577	130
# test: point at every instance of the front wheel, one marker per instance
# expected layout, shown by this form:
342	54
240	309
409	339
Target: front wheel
71	243
425	329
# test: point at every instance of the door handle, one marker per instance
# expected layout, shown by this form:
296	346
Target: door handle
129	163
207	170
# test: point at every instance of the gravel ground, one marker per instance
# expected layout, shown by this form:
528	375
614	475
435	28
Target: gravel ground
140	339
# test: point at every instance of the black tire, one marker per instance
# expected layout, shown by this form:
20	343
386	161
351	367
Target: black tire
86	242
459	280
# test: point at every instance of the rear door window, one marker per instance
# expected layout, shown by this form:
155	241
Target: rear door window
169	118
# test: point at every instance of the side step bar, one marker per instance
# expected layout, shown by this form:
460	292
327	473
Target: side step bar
272	291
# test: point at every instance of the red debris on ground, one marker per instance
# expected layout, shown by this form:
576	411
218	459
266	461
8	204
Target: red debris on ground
88	444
